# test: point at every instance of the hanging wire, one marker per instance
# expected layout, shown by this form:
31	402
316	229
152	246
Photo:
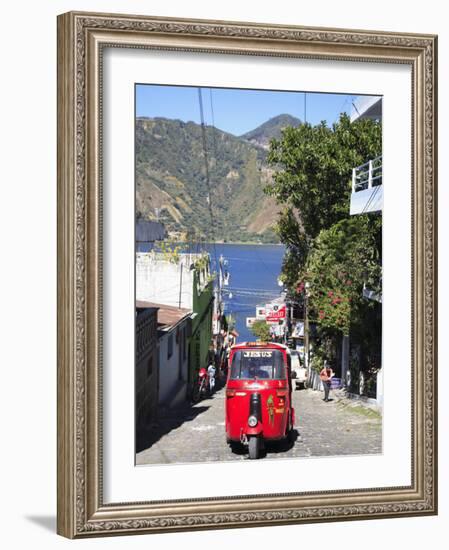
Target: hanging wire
206	163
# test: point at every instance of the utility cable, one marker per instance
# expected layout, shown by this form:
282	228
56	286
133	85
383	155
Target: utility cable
206	163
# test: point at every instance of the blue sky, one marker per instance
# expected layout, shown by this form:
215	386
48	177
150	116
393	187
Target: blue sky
237	111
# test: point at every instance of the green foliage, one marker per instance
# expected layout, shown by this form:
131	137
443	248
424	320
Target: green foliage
202	262
261	330
318	358
171	251
333	252
343	259
313	180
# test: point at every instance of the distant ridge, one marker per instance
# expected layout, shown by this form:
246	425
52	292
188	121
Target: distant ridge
263	134
171	185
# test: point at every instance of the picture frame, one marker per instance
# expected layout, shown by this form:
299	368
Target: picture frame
82	40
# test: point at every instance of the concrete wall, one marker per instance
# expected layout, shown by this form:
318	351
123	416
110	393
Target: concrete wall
146	370
173	370
171	283
163	282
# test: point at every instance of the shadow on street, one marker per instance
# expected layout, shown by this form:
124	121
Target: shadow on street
270	447
281	446
168	420
171	418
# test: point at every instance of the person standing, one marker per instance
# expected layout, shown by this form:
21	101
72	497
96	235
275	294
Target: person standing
211	375
326	376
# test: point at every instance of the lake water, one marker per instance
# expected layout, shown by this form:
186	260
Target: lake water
253	279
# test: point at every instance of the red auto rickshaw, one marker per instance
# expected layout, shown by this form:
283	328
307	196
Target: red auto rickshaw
259	395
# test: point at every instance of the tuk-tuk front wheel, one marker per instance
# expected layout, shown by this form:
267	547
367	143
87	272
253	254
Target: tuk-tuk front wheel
254	447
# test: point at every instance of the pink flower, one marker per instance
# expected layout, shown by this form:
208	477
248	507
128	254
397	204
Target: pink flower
330	293
321	314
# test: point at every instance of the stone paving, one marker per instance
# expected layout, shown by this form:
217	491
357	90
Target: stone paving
195	433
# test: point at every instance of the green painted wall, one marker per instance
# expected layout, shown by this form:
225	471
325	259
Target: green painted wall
201	325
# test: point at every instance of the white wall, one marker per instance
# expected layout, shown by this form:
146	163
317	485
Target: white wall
28	172
164	282
169	367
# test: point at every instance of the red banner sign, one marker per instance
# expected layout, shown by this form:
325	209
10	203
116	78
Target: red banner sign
275	312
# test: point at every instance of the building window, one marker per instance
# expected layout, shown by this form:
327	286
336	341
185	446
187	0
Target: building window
150	366
170	346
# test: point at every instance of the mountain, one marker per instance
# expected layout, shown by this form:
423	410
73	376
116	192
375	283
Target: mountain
270	129
172	184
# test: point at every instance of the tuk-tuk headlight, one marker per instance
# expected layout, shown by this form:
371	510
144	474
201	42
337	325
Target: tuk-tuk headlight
252	421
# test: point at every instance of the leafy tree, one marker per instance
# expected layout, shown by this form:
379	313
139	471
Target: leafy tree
313	180
344	258
261	330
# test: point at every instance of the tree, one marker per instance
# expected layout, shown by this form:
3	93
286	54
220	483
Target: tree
261	330
345	258
313	180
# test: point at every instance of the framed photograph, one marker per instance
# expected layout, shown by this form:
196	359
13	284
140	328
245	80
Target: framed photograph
246	274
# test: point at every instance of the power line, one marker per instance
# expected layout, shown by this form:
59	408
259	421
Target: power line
343	104
305	107
263	262
251	260
214	145
354	105
247	293
266	290
206	163
214	148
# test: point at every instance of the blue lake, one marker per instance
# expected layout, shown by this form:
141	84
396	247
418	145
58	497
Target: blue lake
253	279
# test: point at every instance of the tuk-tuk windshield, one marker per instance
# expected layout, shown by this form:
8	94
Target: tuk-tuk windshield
248	364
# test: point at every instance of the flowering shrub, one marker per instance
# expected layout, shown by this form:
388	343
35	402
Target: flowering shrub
342	259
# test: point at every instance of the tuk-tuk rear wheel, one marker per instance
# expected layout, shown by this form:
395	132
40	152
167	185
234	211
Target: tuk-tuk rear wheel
290	435
254	447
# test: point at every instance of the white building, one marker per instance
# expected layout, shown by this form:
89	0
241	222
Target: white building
181	281
367	106
174	328
168	281
367	188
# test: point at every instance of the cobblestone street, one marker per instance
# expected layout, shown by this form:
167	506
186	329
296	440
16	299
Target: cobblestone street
195	433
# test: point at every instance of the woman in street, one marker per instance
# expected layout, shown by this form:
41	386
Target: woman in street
326	375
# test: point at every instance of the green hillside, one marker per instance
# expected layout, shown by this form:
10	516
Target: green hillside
171	183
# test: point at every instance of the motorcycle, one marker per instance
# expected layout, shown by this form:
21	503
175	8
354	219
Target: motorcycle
201	387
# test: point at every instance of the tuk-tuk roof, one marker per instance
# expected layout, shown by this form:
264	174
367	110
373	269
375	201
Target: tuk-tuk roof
259	344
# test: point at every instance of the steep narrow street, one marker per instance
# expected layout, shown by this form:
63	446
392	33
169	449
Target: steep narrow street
196	433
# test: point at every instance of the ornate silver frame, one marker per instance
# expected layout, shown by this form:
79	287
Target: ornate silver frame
81	511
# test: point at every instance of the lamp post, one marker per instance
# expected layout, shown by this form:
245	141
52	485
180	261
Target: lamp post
306	329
